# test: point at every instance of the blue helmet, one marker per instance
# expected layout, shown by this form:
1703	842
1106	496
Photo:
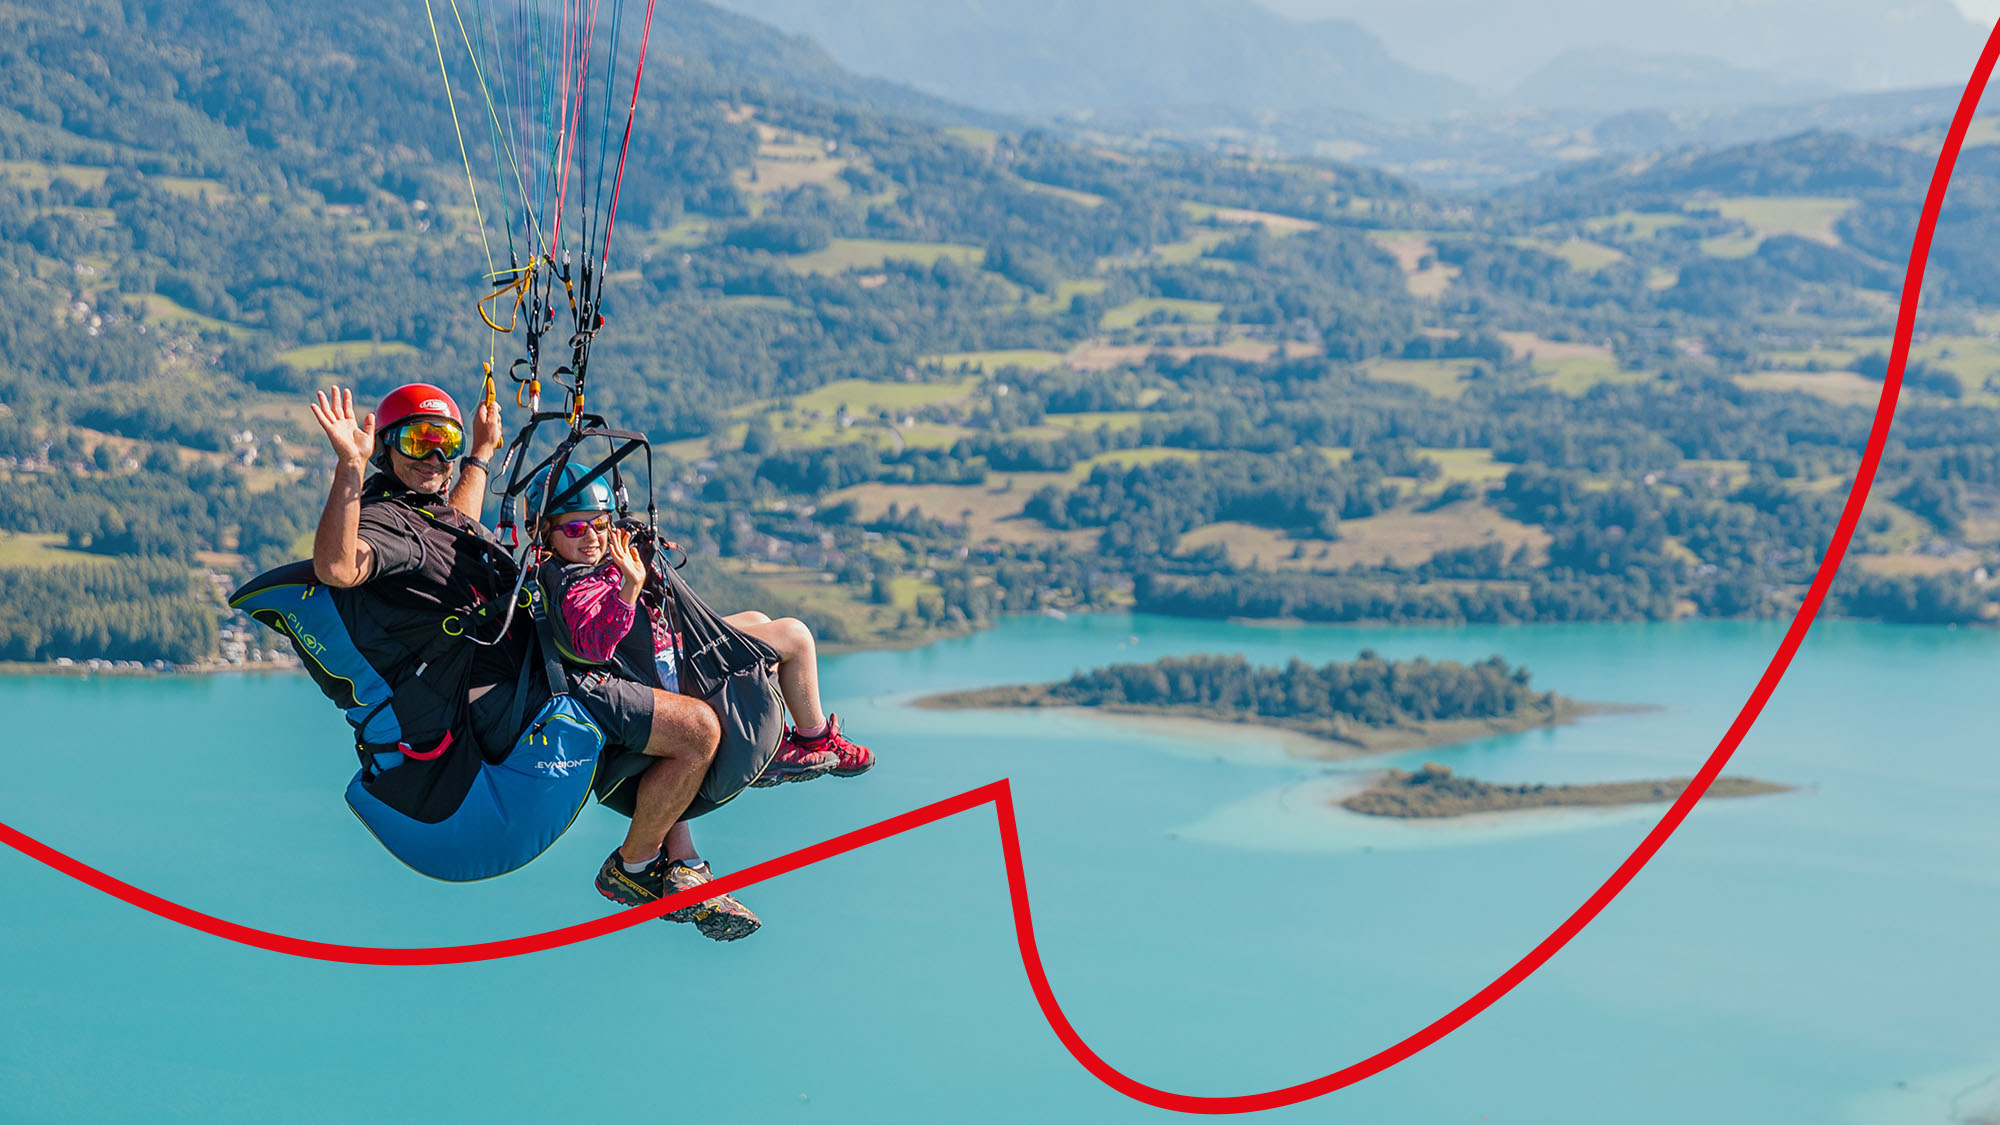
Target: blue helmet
593	497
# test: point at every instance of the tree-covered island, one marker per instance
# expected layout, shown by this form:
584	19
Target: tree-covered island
1366	705
1434	792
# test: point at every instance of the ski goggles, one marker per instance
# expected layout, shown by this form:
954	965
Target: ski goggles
574	529
418	440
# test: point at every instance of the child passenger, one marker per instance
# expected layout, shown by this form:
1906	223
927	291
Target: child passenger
594	579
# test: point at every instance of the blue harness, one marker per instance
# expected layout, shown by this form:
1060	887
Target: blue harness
516	806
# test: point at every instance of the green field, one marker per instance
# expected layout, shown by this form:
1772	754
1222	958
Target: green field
1635	225
1129	314
29	174
161	310
341	353
1808	216
904	590
1972	358
1906	529
103	218
192	187
1984	131
1032	359
1192	248
865	398
1091	421
28	551
1476	466
683	235
1731	245
752	301
1573	375
933	435
1842	388
973	137
1582	255
1132	458
1080	198
1726	472
1441	377
870	253
1824	357
1270	220
1059	301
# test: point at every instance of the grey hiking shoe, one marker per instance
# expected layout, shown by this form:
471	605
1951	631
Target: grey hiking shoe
721	918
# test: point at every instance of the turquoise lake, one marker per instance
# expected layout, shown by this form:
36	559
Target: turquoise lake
1210	927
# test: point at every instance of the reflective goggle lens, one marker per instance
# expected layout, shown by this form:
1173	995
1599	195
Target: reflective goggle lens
421	439
574	529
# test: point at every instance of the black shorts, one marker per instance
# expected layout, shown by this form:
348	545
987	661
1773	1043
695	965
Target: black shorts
623	708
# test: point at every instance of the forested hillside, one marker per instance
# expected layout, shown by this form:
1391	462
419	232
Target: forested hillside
918	370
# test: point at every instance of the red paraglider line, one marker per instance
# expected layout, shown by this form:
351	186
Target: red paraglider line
631	112
1001	796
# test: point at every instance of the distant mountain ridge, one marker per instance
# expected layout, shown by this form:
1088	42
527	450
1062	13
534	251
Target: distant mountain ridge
1614	79
732	47
1065	56
1257	75
1846	44
1487	150
1811	163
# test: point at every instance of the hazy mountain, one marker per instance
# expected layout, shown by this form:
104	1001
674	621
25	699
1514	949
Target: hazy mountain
1846	44
1889	114
1481	151
1811	163
727	46
1610	80
1056	56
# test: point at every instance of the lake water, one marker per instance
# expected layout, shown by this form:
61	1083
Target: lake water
1826	955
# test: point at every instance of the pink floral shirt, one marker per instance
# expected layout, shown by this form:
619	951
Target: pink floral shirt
598	618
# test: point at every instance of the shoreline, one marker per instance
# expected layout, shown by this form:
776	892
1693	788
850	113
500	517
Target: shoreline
834	648
83	670
1316	739
1434	793
1307	815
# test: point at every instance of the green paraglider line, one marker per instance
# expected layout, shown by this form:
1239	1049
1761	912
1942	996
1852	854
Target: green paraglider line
1001	797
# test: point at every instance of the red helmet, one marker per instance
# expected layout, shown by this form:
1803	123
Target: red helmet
415	400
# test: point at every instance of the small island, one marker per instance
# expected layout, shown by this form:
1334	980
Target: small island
1364	706
1433	792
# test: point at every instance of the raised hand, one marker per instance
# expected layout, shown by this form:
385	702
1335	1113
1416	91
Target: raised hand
352	442
619	550
488	433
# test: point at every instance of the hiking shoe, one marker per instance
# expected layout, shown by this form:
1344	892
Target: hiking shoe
721	918
850	759
632	888
795	762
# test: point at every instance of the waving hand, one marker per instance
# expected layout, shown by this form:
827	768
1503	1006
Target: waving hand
352	442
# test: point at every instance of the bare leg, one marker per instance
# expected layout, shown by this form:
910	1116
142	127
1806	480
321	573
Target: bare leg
798	665
684	739
680	842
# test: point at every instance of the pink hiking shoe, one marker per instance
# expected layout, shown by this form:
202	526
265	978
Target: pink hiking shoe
794	762
851	759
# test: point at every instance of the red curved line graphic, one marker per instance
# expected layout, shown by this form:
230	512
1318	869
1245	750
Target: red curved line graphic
1001	796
